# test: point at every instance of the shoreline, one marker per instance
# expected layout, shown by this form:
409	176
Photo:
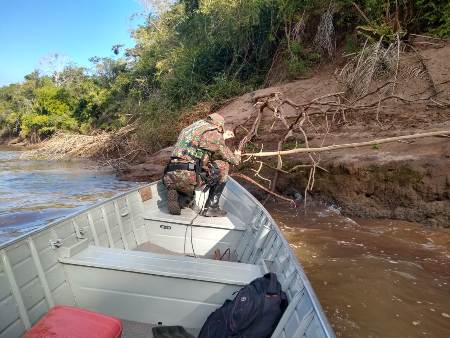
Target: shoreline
16	143
360	185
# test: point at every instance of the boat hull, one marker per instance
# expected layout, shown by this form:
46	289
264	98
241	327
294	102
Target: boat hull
129	258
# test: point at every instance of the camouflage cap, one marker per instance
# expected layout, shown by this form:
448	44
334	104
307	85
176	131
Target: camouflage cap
217	120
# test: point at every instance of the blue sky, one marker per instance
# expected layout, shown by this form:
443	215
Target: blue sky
77	29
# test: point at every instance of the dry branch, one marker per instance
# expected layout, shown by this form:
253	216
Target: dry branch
248	179
254	130
347	145
425	69
377	60
107	148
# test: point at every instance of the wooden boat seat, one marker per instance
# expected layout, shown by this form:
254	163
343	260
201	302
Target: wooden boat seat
166	265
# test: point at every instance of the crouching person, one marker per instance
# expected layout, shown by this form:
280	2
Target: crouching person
200	159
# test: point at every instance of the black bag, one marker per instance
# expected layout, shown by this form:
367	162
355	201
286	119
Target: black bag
254	312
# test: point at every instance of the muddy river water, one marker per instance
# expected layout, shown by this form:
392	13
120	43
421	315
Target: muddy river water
33	193
374	278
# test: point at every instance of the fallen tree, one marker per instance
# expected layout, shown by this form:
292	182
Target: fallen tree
357	98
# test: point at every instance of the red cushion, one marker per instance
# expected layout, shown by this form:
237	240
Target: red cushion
71	322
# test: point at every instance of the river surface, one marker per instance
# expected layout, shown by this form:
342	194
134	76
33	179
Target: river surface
33	193
374	278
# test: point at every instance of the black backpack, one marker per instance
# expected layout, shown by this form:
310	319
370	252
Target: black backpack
254	312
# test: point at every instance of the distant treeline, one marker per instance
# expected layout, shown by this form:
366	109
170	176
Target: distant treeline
203	50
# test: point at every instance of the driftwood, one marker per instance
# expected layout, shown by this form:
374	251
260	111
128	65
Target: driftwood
114	148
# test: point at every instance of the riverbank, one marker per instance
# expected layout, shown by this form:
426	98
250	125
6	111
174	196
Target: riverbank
407	180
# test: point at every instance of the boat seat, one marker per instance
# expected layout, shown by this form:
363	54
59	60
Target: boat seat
68	321
166	265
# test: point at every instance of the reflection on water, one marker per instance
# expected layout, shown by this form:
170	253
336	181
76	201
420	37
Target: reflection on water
374	278
32	193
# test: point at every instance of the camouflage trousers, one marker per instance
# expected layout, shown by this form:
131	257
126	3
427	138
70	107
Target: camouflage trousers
185	181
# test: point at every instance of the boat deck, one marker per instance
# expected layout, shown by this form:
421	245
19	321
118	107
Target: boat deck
151	247
159	212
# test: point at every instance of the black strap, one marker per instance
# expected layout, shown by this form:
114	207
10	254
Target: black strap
180	166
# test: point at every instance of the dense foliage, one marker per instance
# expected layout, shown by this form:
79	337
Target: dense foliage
199	51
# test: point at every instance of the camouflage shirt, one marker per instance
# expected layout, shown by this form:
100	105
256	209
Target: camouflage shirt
203	139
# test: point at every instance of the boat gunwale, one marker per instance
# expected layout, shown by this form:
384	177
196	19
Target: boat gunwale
306	283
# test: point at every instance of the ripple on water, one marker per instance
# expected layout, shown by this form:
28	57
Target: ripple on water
34	193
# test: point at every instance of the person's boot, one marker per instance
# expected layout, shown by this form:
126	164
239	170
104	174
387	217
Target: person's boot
172	202
185	200
212	208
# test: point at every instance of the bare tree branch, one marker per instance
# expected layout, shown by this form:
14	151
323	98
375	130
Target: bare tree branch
248	179
348	145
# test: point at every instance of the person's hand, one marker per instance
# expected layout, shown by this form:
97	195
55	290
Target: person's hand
228	134
238	154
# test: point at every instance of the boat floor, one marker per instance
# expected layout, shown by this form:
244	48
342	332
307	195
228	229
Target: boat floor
189	216
142	330
150	247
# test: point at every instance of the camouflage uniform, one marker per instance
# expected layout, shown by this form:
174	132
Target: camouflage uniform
202	140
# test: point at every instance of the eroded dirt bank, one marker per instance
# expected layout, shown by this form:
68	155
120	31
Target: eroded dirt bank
397	181
408	180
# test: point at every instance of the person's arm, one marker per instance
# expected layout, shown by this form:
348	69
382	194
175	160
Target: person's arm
214	142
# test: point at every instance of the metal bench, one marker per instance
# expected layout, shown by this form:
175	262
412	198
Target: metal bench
153	288
166	265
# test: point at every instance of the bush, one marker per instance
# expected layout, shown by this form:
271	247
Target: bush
224	87
296	67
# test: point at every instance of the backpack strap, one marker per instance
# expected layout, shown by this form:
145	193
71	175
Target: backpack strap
274	286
